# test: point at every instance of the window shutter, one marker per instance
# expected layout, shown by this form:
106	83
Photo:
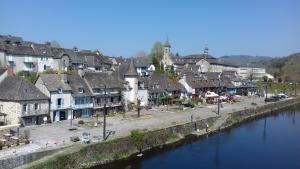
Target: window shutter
62	102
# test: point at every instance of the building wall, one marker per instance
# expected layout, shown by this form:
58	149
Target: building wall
143	95
186	85
13	111
204	65
65	96
131	95
49	62
2	59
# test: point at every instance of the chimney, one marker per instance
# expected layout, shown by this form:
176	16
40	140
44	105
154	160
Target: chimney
10	71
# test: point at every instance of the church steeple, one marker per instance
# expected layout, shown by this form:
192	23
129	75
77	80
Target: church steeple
167	43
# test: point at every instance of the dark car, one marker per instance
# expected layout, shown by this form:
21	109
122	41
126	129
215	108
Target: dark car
272	99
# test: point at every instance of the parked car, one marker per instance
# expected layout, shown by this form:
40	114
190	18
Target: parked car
283	96
272	99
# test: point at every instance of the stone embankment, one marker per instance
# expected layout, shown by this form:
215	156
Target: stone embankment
121	148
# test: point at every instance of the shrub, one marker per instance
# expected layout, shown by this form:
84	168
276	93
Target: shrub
81	122
138	138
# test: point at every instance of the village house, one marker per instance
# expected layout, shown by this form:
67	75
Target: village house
21	102
95	61
82	101
56	87
106	88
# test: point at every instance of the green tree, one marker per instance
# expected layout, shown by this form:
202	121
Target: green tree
55	44
157	55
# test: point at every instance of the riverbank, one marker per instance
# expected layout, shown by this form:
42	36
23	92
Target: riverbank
103	153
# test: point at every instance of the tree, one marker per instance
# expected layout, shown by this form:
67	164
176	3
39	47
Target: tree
54	44
158	50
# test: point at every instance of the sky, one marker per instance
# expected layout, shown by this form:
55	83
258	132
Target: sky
124	28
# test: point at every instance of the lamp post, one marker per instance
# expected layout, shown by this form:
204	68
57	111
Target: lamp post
295	88
104	115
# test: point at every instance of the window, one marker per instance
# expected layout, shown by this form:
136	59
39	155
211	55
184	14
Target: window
24	108
45	67
36	106
60	102
60	90
81	90
112	99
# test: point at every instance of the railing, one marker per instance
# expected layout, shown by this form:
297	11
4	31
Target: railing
82	106
34	112
110	104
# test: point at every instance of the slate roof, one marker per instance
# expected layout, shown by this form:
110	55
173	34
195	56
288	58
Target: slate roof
92	59
192	59
160	82
55	81
76	82
131	71
19	89
8	38
97	80
142	62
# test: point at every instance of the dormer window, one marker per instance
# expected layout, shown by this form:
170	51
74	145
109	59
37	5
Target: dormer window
81	90
60	90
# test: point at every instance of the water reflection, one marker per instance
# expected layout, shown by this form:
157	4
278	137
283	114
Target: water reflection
265	130
217	152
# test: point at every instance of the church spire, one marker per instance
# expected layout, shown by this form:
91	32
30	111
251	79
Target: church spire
167	43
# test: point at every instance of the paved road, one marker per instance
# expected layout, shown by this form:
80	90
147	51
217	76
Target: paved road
57	134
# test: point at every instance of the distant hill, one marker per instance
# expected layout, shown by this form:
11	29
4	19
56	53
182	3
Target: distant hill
245	60
282	68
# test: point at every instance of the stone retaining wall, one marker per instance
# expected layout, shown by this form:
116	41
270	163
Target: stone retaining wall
126	144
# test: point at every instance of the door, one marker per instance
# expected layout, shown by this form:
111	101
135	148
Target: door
62	115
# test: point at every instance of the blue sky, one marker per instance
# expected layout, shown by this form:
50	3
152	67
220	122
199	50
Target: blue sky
119	27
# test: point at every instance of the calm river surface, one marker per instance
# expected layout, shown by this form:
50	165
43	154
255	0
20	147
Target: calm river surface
268	143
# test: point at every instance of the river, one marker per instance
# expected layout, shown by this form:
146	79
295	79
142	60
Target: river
271	142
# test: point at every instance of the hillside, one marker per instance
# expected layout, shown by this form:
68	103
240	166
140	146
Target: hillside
245	60
285	68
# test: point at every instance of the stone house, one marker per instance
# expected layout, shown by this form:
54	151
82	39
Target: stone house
107	89
56	87
82	100
21	102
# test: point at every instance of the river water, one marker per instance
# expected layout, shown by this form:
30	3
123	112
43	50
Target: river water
268	143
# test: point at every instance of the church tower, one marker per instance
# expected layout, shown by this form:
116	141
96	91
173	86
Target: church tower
166	60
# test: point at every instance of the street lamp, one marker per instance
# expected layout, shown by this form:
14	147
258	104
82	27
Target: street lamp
219	92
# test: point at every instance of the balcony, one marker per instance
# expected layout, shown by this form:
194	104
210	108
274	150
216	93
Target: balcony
60	107
110	104
82	106
34	112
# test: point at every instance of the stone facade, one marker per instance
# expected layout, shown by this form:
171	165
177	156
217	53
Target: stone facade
15	110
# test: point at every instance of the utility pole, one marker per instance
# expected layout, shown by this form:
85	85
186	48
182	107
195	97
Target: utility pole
104	115
219	93
167	95
138	106
219	97
266	90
